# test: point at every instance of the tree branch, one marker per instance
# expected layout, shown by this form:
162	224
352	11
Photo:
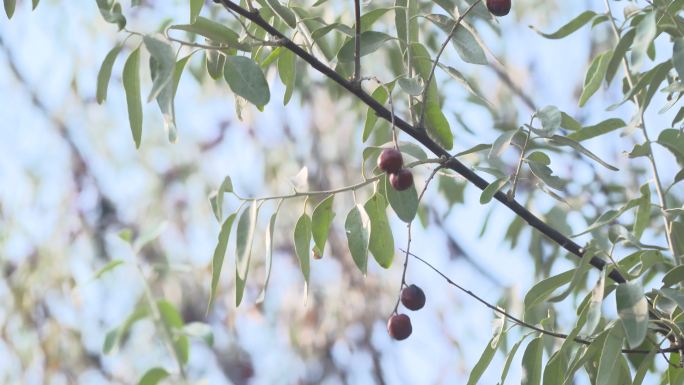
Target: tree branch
357	42
422	137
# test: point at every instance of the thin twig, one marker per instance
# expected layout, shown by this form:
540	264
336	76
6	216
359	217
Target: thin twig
357	41
522	323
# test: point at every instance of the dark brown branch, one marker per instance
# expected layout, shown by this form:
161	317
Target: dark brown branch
422	137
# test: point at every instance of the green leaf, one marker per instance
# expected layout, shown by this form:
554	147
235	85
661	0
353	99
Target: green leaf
131	83
153	376
545	174
164	58
404	203
109	267
572	26
410	85
113	337
213	31
564	141
380	95
532	362
542	290
643	214
10	5
633	311
436	124
674	295
467	47
677	229
594	76
645	33
284	12
673	140
270	229
245	78
599	129
610	352
244	235
463	39
320	223
619	54
110	11
357	227
195	9
215	61
578	276
105	74
302	241
219	255
489	192
678	56
286	71
644	367
502	143
509	359
550	117
174	321
370	42
217	199
148	236
484	361
381	242
34	4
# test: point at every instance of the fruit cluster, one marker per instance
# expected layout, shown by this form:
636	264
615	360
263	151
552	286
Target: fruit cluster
391	162
399	325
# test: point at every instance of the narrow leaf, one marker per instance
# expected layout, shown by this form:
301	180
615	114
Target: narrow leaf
572	26
404	203
302	241
633	311
153	376
105	74
381	242
357	227
131	83
320	223
532	362
219	255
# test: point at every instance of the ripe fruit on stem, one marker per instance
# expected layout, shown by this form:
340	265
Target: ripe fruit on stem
499	7
390	160
399	326
401	180
412	297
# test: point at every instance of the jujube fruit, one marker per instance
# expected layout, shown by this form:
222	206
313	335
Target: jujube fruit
499	7
401	180
390	160
412	297
399	327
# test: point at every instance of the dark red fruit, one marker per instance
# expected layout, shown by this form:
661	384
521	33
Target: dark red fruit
413	298
402	180
390	160
399	327
499	7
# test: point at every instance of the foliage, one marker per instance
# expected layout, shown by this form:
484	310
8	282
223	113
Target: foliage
635	233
